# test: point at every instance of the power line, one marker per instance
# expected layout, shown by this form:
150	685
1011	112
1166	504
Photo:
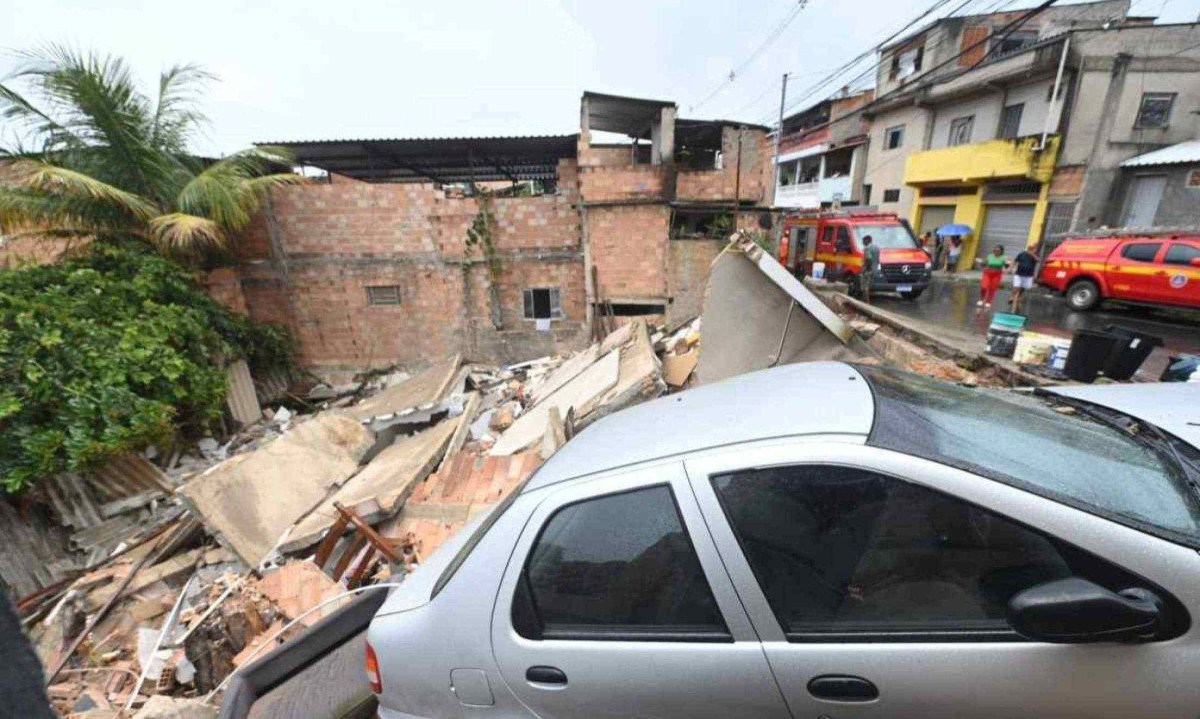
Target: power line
774	35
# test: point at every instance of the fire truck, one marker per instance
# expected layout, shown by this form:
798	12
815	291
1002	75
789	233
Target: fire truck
833	238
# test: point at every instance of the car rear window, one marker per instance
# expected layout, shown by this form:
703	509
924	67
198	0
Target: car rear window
1022	440
1141	251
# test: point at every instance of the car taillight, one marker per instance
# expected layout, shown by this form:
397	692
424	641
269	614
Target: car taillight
373	675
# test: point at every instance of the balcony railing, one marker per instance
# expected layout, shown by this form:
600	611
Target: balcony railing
804	196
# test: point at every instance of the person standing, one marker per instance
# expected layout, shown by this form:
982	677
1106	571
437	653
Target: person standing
955	249
870	264
993	271
1025	269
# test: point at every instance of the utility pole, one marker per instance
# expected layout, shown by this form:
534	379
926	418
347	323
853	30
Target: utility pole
778	134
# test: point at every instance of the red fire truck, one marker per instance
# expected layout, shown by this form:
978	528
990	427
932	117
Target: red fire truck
834	238
1162	268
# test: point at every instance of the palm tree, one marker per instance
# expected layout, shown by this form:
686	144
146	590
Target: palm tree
94	157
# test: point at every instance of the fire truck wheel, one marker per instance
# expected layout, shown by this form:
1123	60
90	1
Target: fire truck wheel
1083	295
853	286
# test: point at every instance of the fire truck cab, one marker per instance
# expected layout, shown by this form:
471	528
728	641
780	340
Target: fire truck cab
834	238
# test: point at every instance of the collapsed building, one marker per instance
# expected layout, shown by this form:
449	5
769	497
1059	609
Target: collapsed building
500	248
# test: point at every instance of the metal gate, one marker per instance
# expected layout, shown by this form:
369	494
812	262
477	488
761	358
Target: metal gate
1006	225
934	216
1144	195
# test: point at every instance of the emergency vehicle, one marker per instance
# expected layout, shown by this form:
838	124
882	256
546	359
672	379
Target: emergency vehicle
1161	268
834	238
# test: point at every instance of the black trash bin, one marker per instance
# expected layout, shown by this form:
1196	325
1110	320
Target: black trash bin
1089	354
1132	350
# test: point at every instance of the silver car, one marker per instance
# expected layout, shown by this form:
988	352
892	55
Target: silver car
825	541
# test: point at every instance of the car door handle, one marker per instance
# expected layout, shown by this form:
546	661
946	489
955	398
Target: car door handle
842	688
545	675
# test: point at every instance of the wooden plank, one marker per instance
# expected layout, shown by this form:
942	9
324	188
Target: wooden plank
357	542
330	541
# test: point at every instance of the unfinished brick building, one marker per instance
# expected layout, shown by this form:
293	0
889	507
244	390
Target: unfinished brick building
502	248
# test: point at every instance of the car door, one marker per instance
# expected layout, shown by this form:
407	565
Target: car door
1178	279
878	584
614	604
1131	269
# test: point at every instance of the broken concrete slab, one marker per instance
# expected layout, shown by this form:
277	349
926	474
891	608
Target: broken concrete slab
251	499
639	379
757	315
164	707
565	372
387	480
580	392
411	401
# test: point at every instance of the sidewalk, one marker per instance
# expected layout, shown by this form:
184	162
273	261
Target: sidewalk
958	276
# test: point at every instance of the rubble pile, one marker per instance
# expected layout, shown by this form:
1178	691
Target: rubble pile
191	563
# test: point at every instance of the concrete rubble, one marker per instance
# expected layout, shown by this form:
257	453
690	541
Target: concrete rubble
232	544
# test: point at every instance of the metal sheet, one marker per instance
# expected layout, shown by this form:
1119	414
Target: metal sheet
242	398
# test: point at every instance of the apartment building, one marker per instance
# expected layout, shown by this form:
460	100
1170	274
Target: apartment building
822	154
501	248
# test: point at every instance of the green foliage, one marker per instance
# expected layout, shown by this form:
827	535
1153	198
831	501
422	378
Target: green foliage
108	352
110	161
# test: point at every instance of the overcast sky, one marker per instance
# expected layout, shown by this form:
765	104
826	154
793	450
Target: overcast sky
316	69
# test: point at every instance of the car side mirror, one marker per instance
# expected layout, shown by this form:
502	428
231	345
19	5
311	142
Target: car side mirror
1076	611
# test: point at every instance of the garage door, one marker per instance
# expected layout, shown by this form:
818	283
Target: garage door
934	217
1006	225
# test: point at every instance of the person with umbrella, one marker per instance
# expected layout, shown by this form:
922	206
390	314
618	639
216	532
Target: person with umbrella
954	233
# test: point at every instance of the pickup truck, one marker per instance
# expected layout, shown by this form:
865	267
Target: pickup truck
1148	269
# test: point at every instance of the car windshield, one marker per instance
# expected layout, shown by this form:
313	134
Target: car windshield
886	237
1026	441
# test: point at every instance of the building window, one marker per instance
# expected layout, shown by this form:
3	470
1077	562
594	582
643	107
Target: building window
960	130
1010	122
907	62
1155	111
891	195
383	295
893	137
866	194
618	567
543	303
1014	42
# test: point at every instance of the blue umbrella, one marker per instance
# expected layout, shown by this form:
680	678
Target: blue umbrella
948	230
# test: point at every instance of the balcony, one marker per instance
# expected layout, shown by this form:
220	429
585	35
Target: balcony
805	196
982	161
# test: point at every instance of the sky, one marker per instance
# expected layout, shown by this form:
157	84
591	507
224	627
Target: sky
316	69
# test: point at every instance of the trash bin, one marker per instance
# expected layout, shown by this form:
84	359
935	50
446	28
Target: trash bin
1003	333
1130	353
1089	354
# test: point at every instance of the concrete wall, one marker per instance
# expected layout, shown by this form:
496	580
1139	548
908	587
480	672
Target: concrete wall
987	109
689	262
1180	204
885	168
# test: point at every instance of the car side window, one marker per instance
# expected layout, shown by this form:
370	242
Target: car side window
1178	254
619	566
1141	251
847	552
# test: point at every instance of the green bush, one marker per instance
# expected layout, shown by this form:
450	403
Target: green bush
109	352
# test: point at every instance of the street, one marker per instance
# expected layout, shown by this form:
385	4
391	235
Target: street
949	306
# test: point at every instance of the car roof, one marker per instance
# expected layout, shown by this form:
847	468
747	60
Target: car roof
1172	406
795	399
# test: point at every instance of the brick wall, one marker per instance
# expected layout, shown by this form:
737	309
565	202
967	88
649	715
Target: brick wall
713	185
225	286
628	246
629	182
339	239
688	263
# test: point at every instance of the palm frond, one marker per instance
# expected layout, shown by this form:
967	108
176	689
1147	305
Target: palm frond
28	212
229	191
186	236
67	184
175	114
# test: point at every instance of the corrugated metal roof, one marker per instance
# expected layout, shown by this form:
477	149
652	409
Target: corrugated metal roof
1187	151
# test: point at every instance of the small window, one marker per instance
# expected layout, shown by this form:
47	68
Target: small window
828	235
847	551
543	303
866	194
1141	251
891	195
617	567
907	62
843	239
893	137
1010	121
383	295
1014	41
1178	254
960	130
1155	111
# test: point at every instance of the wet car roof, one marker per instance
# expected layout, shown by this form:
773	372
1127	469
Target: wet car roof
796	399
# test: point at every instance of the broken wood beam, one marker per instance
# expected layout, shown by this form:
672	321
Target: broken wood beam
330	541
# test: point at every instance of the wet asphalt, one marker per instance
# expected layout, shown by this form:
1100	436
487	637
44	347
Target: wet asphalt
949	304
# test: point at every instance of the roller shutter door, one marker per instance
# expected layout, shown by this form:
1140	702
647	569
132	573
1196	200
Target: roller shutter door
933	217
1006	225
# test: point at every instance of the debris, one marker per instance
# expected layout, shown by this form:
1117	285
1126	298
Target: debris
757	315
555	436
864	328
251	499
677	368
162	707
242	399
296	587
281	416
412	401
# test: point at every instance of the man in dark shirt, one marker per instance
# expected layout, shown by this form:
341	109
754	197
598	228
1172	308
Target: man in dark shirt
870	264
1025	268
